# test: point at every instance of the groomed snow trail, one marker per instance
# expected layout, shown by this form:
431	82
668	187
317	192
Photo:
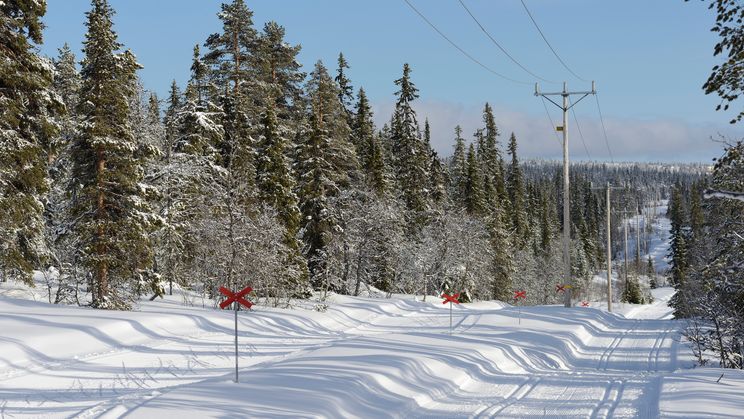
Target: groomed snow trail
362	358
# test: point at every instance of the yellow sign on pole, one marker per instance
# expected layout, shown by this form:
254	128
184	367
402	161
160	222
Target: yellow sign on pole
559	128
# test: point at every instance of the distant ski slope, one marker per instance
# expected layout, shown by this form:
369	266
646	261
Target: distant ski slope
361	358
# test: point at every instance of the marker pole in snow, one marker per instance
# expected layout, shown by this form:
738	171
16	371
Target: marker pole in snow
517	295
451	299
237	307
238	300
450	317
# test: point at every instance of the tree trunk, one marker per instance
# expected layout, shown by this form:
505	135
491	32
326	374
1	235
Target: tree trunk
102	267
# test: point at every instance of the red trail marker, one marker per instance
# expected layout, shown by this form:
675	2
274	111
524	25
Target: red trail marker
585	304
237	298
523	295
450	299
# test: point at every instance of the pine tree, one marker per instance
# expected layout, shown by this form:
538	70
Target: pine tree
436	184
273	178
678	246
345	90
409	156
199	89
696	216
515	189
368	147
26	137
326	164
473	193
113	219
230	55
230	59
458	168
275	60
194	126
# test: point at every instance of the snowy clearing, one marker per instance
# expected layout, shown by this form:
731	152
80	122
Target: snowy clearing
362	358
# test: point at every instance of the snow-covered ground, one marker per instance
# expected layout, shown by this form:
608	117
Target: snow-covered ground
362	358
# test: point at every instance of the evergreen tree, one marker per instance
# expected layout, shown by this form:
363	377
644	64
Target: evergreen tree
458	168
345	90
26	134
273	178
230	59
696	216
436	184
368	147
326	165
194	127
362	129
199	89
112	217
678	246
409	156
275	60
230	55
515	189
276	189
473	193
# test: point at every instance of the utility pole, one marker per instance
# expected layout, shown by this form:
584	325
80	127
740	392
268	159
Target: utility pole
566	209
625	229
609	253
638	242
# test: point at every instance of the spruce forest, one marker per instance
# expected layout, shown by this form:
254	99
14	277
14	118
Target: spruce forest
258	173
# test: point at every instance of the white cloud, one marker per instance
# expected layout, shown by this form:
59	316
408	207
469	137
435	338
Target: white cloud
630	139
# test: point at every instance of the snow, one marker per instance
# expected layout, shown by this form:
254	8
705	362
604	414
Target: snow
363	357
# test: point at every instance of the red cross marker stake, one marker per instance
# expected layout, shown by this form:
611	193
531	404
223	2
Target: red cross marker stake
238	300
450	299
523	295
560	288
237	297
585	304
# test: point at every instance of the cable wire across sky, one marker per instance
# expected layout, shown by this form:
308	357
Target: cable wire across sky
548	43
473	59
514	60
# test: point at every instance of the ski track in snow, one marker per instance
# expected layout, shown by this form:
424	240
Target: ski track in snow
363	358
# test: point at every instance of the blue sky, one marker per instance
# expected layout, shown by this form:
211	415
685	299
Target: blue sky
649	59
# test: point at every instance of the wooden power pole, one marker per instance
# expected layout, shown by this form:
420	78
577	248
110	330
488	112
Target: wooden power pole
566	209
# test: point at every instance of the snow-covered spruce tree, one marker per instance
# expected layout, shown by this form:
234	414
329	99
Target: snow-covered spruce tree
678	252
496	204
458	169
436	185
368	147
113	220
474	201
326	165
26	133
714	286
62	251
276	189
410	159
345	89
516	192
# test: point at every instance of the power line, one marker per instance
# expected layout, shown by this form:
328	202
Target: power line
601	119
477	22
552	125
548	43
578	128
473	59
